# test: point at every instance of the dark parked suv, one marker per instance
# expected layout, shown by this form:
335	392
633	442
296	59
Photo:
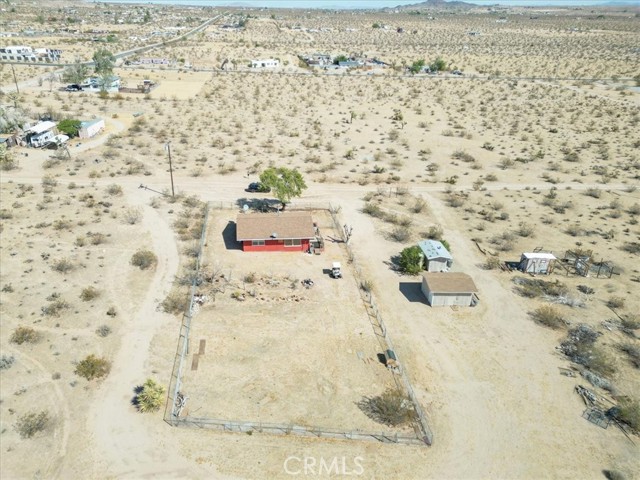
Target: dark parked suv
258	187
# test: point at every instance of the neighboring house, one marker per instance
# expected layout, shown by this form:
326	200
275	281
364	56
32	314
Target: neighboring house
437	257
537	262
275	232
21	53
267	63
40	134
449	289
350	63
95	84
91	128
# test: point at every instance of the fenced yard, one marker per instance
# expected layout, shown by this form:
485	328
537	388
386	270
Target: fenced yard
267	354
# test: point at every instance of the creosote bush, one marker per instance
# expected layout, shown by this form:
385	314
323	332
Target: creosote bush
29	424
391	408
175	303
93	367
548	316
24	335
89	293
144	259
63	265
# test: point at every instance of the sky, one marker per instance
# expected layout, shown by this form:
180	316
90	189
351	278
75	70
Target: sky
364	3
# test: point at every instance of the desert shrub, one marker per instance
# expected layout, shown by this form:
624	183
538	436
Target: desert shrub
96	238
400	234
6	362
192	250
175	303
55	307
492	263
525	230
373	210
548	316
629	412
630	323
144	259
29	424
366	285
410	261
534	287
103	330
93	367
150	397
632	247
391	408
63	265
615	302
434	232
89	293
25	335
633	352
132	215
114	190
419	205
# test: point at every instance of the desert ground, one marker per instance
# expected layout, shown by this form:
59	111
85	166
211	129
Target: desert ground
535	146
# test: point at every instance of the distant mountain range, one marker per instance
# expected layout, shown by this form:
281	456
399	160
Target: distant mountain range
439	4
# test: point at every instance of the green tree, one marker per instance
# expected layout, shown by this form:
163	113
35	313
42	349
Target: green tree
150	397
411	260
416	66
70	127
340	58
75	73
285	183
103	62
438	65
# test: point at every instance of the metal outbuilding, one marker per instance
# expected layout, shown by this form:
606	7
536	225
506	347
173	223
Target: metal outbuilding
537	262
449	289
437	257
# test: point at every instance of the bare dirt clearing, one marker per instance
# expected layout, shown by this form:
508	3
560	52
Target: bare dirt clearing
280	352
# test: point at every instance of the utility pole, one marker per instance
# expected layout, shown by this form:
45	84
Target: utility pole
14	79
168	147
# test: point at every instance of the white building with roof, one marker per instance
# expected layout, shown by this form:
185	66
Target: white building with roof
41	134
266	63
537	262
437	257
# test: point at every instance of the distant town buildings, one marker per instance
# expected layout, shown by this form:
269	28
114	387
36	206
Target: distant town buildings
20	53
267	63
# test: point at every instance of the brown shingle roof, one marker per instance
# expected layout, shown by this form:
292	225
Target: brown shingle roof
448	282
286	225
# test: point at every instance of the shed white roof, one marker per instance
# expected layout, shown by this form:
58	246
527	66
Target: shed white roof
42	127
434	249
539	255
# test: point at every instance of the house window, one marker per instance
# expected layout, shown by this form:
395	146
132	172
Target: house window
257	243
295	242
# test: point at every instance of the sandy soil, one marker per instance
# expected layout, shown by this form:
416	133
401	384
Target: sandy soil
485	155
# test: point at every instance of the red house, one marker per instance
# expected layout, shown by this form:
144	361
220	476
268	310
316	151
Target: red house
275	232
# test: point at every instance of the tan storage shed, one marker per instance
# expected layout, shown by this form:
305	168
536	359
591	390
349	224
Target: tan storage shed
444	289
